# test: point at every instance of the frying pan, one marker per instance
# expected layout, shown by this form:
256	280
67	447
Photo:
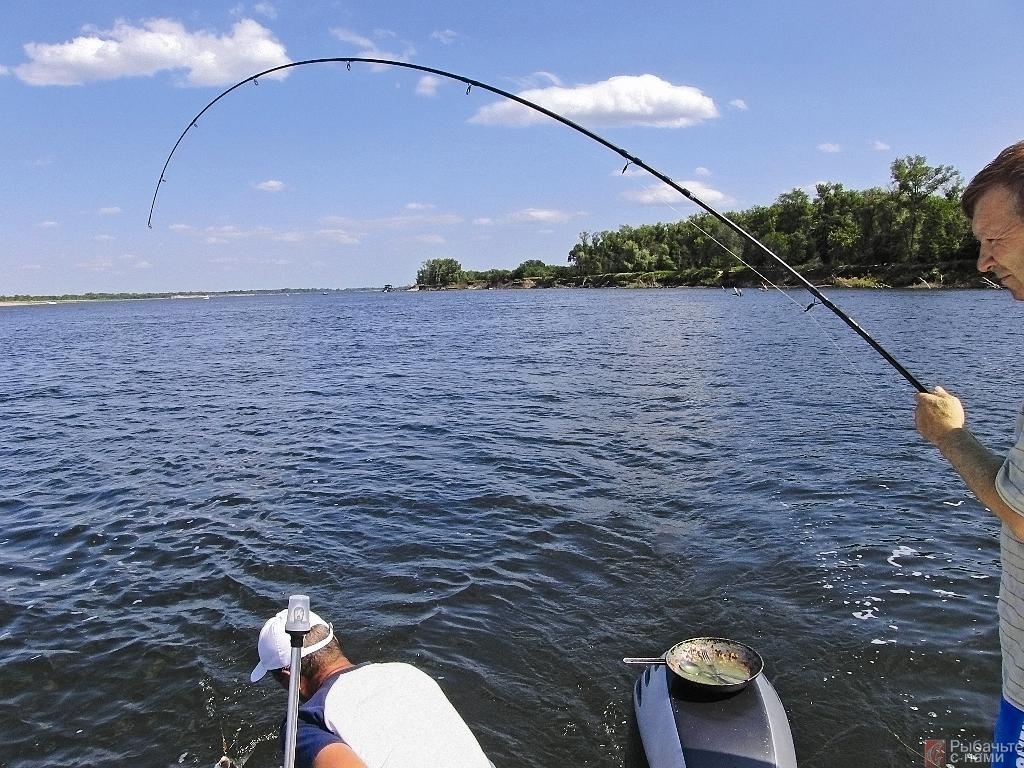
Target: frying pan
710	663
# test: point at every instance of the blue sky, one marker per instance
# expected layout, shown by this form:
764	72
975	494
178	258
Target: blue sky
336	178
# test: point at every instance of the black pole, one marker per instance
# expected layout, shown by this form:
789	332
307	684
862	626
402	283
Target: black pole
630	160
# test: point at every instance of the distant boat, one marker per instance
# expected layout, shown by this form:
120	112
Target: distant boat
737	291
387	288
327	293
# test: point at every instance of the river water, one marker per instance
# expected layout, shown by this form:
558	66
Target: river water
510	489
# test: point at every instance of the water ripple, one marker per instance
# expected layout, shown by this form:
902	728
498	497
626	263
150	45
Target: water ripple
511	490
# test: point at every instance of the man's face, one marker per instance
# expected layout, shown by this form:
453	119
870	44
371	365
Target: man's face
999	228
282	676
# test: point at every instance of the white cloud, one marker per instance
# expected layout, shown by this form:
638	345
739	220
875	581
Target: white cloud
336	229
103	238
429	239
4	70
880	146
48	224
348	36
225	231
663	194
829	147
444	36
368	49
427	86
340	236
484	221
702	171
156	46
394	222
110	210
270	185
229	232
539	79
621	100
546	215
132	263
265	9
96	265
738	104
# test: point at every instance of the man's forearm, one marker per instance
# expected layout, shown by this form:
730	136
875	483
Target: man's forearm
978	466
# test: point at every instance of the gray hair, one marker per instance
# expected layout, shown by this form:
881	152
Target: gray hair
1007	170
326	655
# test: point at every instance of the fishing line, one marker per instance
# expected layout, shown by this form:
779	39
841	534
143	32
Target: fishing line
630	160
821	327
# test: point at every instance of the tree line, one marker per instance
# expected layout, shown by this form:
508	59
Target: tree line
910	231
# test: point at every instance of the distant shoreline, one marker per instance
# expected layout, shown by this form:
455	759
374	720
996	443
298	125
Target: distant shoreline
632	281
24	301
33	301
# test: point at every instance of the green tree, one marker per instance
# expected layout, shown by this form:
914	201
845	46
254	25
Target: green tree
913	182
793	225
583	255
915	221
531	268
834	228
439	272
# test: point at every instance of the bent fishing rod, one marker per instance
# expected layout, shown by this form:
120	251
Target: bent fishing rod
630	160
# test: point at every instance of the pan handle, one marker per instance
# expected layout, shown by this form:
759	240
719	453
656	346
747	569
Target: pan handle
646	662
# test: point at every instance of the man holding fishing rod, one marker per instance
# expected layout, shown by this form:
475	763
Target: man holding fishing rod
994	202
364	715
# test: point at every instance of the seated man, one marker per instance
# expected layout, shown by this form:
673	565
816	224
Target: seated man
365	715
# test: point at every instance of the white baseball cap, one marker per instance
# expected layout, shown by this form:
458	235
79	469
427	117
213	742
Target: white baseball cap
275	646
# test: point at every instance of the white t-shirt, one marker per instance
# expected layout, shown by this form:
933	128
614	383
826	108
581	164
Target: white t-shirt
392	716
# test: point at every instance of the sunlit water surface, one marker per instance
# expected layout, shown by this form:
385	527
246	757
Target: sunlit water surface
512	490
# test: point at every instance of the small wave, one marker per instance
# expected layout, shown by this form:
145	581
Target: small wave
901	552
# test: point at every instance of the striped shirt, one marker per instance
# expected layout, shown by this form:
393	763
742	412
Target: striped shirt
1010	486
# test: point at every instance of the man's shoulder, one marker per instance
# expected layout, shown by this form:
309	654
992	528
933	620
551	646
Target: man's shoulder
380	678
382	671
1010	477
